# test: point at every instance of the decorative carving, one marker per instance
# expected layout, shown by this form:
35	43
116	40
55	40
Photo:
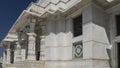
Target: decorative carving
77	50
31	46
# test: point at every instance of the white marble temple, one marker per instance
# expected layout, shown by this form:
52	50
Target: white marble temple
46	40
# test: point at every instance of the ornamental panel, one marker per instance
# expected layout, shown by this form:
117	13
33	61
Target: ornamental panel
77	50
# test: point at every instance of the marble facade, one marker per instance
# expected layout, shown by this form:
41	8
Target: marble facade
43	35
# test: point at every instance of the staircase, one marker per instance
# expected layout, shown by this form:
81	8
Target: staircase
30	64
26	64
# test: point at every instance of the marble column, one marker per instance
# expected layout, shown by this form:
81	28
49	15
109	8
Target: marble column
18	52
4	58
42	42
23	54
31	46
8	56
8	53
31	41
42	48
4	55
23	45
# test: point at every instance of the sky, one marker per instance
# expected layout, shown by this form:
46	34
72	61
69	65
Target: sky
9	12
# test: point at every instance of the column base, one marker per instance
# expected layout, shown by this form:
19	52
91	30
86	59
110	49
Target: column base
17	55
31	57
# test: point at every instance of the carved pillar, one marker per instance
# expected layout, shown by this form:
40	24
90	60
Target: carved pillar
31	41
23	53
42	47
31	46
8	53
23	45
18	52
42	42
4	57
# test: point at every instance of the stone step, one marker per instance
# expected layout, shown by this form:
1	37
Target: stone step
26	64
30	64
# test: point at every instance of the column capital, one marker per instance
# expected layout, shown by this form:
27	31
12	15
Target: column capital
32	25
18	46
32	34
42	37
43	27
8	45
